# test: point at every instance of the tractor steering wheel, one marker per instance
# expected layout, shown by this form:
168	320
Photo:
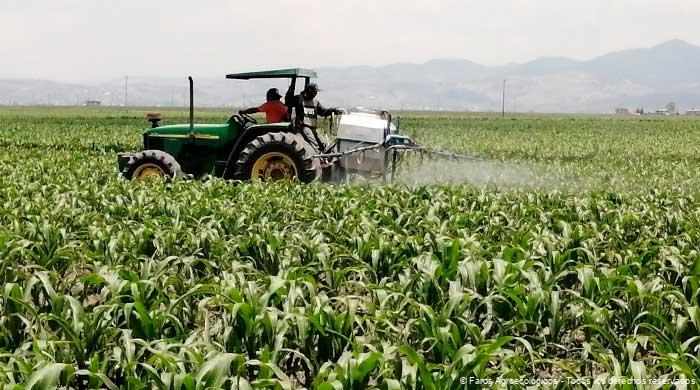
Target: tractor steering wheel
247	118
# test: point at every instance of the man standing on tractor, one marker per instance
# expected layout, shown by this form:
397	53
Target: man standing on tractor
275	111
305	111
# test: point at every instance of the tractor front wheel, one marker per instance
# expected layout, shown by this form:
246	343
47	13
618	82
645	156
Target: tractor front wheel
277	156
151	164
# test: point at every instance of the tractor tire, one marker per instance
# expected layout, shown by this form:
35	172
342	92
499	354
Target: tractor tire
277	156
151	164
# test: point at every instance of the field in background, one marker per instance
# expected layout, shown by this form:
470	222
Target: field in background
574	254
554	152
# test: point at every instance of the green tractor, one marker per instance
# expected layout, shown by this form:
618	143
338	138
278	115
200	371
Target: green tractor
367	143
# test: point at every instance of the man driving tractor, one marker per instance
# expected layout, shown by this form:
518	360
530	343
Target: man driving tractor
275	111
305	112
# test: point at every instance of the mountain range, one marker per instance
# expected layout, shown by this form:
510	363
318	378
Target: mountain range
648	78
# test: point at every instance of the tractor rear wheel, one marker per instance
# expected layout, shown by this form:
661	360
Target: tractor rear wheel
277	156
151	164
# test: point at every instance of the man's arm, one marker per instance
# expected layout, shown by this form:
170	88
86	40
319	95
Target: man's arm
249	111
324	112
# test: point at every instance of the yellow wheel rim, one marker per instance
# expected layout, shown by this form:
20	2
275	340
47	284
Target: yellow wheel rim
148	171
274	166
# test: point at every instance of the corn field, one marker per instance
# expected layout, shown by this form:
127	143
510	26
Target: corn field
591	274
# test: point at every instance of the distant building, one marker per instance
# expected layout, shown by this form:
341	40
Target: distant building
622	111
694	112
662	111
92	103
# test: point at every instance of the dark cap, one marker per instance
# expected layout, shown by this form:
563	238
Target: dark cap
312	87
273	94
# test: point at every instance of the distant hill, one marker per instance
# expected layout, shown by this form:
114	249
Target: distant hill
648	77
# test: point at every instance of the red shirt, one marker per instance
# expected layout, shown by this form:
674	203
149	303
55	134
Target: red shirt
275	111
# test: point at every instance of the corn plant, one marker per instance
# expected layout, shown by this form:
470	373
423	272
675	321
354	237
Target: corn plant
592	271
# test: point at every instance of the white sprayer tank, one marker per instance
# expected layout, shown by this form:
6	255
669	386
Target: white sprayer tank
360	129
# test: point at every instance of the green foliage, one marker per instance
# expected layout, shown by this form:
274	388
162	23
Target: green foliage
208	284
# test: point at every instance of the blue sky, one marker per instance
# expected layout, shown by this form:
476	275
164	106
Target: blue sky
84	40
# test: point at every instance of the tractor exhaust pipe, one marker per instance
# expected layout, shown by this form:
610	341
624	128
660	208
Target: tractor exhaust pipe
191	106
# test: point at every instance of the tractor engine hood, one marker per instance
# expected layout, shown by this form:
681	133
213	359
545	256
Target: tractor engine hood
211	131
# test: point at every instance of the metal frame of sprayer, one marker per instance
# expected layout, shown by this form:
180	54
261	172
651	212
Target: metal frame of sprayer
392	146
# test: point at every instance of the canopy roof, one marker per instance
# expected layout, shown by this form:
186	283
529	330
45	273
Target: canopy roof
274	74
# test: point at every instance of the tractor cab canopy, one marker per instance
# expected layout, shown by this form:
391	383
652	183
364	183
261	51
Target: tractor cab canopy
274	74
292	73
